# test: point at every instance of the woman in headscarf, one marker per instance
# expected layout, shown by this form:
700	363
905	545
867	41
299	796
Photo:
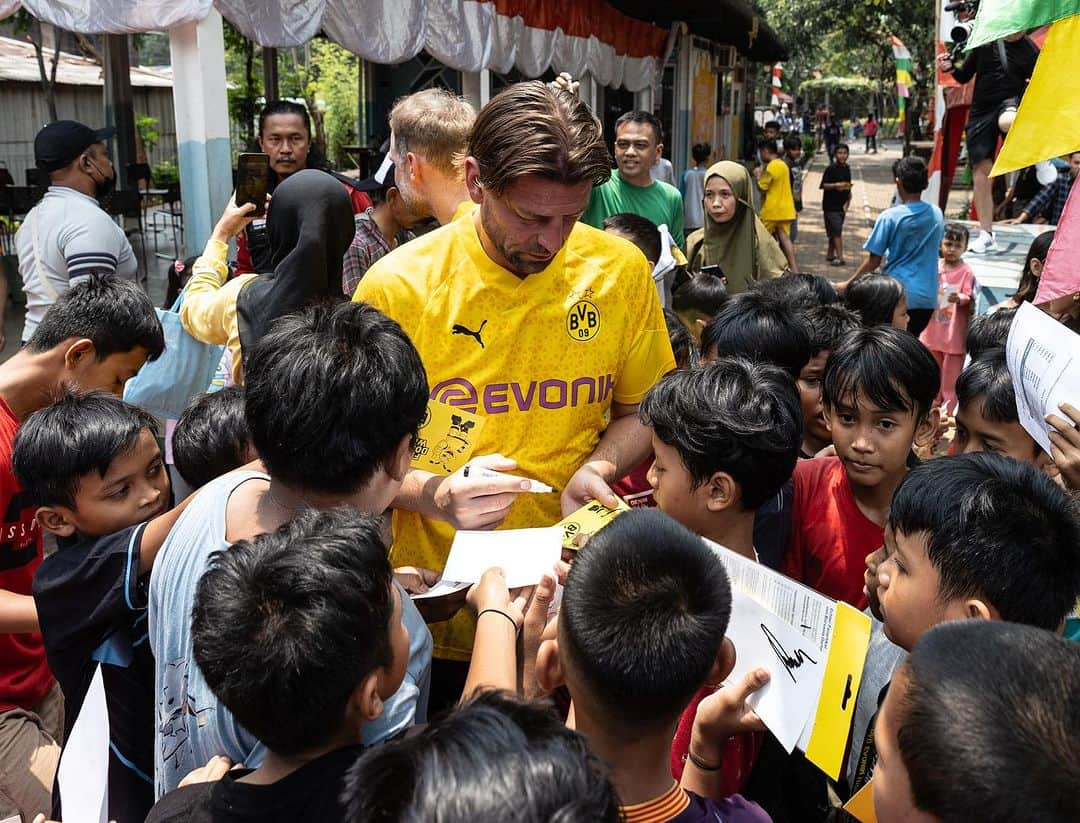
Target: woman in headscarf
733	236
310	226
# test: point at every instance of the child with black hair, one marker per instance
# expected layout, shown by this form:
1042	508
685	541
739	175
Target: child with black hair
986	417
798	290
640	630
760	327
777	210
828	325
793	158
486	756
980	723
92	464
835	199
877	393
698	300
212	438
641	231
1029	276
944	335
725	440
177	276
682	343
988	331
693	188
879	300
1013	553
94	337
300	634
906	238
333	399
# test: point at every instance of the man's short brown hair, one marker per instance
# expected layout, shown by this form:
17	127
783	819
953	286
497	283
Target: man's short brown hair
434	124
535	128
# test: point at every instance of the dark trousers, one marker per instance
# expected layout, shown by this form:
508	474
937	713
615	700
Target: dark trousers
871	142
918	319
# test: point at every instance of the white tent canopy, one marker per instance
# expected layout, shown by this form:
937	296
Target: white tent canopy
467	35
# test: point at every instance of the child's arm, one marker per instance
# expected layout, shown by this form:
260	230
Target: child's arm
18	614
765	180
153	536
500	614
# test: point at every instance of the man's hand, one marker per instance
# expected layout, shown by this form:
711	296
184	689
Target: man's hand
414	580
945	63
872	579
1065	444
590	482
479	502
724	714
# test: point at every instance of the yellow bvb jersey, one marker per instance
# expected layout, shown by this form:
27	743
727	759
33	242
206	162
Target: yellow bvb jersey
541	358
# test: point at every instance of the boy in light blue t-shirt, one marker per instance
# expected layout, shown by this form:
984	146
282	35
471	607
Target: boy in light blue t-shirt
907	238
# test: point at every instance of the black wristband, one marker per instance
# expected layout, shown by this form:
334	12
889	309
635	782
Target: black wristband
701	764
504	614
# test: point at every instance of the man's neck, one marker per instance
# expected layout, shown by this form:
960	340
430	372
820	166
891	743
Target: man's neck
383	216
733	530
875	501
276	767
641	181
28	382
640	764
80	183
444	197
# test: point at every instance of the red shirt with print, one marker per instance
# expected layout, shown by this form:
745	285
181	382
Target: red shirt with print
830	536
24	672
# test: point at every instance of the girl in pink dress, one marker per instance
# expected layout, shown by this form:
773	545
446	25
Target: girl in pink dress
947	330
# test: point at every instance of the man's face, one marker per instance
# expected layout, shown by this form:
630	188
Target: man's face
527	224
403	215
809	384
100	165
89	373
872	443
975	433
841	156
133	489
287	141
1074	163
636	149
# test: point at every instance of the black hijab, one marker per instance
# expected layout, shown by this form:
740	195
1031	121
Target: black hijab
310	226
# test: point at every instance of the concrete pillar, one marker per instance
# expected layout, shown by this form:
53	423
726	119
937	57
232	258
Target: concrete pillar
476	87
202	125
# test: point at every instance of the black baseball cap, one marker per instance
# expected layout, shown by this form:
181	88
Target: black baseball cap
57	144
381	179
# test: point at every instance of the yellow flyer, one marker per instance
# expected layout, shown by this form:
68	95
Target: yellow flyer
446	438
589	519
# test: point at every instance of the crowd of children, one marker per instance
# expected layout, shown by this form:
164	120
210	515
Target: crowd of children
263	660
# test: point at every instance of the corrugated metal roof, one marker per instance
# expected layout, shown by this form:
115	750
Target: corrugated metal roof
18	64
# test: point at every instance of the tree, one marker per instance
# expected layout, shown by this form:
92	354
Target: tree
245	85
36	32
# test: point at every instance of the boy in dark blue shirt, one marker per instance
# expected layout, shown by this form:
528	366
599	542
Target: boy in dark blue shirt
93	465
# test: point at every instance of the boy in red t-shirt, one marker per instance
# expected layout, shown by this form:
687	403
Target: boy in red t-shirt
878	395
94	337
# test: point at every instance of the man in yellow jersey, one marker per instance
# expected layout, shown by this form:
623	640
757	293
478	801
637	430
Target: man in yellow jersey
549	328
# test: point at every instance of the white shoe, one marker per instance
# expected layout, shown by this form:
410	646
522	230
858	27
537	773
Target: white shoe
981	243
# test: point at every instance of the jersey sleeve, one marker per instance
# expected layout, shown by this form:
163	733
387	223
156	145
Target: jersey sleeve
82	591
384	289
650	356
88	251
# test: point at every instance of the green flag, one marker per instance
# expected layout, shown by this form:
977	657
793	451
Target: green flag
998	18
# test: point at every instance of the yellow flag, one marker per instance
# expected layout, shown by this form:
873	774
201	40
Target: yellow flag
1047	123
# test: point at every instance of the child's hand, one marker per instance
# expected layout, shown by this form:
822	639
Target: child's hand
533	631
872	579
414	580
233	220
724	713
492	593
1065	444
215	769
954	298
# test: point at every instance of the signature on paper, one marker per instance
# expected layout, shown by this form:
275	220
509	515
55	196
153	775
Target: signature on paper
791	662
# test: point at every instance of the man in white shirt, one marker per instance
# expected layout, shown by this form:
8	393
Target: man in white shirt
68	236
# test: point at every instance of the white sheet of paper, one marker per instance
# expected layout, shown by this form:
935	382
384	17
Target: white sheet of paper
524	555
795	666
1044	361
810	613
84	766
441	589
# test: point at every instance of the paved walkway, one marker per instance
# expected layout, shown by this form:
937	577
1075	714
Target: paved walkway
872	192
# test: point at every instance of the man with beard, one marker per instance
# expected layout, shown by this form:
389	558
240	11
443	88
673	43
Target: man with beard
548	328
68	236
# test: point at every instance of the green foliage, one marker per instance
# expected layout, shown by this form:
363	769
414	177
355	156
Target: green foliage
333	86
147	127
245	85
165	173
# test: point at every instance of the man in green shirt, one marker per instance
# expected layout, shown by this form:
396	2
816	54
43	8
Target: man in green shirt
638	143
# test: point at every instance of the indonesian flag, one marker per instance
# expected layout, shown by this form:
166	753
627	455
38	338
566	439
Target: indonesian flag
777	72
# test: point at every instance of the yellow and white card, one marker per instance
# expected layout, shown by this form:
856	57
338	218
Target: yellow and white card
589	519
447	438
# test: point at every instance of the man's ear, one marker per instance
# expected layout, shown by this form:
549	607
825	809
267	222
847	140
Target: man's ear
472	180
364	702
659	151
398	465
927	428
723	492
549	667
724	663
79	352
56	520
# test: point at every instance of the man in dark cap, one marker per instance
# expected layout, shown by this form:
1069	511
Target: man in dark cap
67	236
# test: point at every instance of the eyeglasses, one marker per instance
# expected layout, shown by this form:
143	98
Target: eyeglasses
639	145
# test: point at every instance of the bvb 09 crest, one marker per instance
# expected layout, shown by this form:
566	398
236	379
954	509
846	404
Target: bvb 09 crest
583	320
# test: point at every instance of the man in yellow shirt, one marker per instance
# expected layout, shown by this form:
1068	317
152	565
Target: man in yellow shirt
778	203
548	328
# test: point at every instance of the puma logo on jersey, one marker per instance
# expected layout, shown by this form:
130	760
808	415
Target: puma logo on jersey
475	335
